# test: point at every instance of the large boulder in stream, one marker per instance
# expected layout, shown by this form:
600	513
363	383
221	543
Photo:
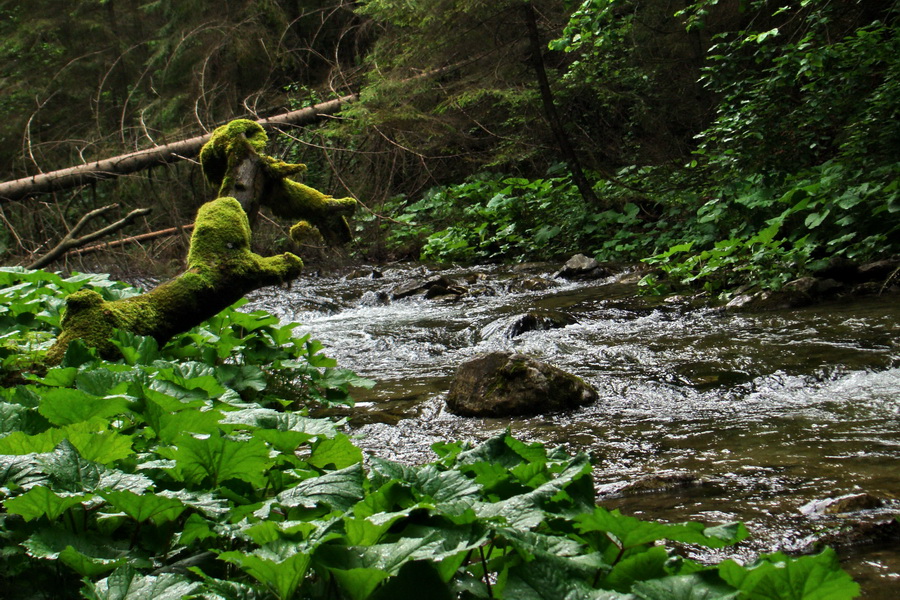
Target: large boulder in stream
501	384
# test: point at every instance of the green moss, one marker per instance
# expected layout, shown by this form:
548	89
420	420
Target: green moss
292	200
228	146
221	269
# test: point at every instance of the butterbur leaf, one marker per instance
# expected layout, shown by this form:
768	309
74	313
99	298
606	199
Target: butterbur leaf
219	458
339	490
538	580
68	470
135	349
697	586
87	554
125	583
42	502
631	532
337	453
20	471
90	438
64	406
147	506
780	577
359	583
88	566
58	377
169	425
195	528
637	567
277	567
78	354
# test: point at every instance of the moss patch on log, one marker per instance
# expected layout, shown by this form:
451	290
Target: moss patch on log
221	270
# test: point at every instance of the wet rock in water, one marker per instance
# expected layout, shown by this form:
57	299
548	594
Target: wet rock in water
582	267
443	293
419	286
538	320
364	273
843	504
879	270
371	298
506	384
861	533
531	284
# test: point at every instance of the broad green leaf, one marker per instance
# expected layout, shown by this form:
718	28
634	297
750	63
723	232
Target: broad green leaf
359	583
696	586
58	377
539	580
266	418
337	453
242	377
147	506
64	406
20	471
69	471
631	532
170	424
780	577
286	442
88	554
275	566
125	583
649	564
362	531
95	444
195	528
42	502
135	349
111	379
88	566
90	438
339	490
219	458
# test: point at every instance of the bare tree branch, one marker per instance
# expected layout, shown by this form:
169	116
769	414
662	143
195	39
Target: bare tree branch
70	241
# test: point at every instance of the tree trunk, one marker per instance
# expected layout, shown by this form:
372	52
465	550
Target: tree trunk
553	119
124	164
221	268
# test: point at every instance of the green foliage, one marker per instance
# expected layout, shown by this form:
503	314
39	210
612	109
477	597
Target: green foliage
187	490
495	218
767	234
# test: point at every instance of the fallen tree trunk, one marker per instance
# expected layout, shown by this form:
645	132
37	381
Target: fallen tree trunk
221	267
124	164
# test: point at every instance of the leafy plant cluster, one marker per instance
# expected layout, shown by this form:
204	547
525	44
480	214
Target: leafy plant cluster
180	473
496	218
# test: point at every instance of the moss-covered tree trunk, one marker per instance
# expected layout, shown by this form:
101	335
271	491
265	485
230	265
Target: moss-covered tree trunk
221	268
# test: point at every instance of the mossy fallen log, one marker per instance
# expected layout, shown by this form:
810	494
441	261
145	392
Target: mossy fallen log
221	267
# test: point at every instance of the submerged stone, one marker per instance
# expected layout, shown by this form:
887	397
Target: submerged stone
507	384
538	320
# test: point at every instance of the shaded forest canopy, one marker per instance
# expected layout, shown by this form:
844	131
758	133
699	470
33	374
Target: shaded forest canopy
713	135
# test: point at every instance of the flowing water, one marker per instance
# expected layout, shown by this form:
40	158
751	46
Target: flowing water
718	415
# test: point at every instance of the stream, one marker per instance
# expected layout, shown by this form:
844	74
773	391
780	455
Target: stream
704	414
